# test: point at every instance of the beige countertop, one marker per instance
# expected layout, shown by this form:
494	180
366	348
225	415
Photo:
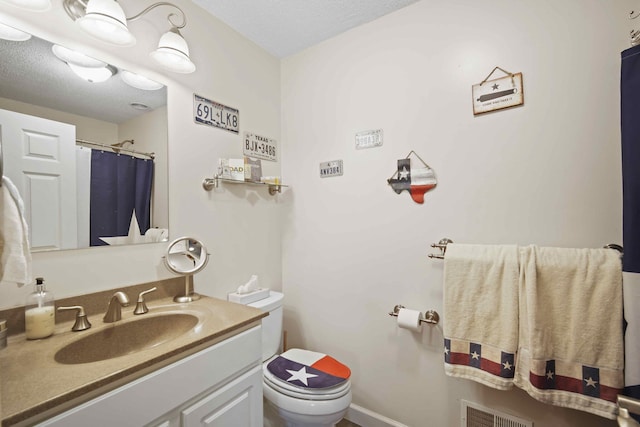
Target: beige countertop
33	386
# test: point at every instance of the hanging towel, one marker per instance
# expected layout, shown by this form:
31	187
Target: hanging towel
15	259
631	291
570	349
480	316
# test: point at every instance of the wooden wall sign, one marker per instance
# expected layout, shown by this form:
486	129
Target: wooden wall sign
491	95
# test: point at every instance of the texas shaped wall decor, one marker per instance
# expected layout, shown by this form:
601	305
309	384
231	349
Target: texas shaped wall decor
417	180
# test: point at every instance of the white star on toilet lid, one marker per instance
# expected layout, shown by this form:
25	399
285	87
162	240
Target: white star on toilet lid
308	369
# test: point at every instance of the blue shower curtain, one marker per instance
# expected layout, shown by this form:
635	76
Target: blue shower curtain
120	185
630	130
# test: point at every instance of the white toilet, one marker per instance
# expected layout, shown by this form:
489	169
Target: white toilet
314	392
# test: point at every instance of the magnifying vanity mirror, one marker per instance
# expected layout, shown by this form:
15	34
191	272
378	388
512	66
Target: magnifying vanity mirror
66	139
186	256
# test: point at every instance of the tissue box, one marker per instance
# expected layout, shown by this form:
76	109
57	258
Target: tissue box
252	169
248	298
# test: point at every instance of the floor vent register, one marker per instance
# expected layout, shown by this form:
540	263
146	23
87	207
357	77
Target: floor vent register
474	415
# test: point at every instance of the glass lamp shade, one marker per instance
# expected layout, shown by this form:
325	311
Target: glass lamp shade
13	34
34	5
139	82
106	21
76	58
173	53
92	74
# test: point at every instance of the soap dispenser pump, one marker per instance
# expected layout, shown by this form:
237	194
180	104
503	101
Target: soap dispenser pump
39	315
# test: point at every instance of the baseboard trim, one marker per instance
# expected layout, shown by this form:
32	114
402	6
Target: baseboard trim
366	418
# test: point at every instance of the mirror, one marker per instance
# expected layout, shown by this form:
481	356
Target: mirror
186	256
54	129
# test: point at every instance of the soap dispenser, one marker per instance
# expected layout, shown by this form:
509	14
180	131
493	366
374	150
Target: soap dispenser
39	315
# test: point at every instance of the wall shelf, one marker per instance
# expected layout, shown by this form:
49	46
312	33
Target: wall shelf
210	183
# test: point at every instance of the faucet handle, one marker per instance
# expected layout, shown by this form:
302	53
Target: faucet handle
82	323
141	306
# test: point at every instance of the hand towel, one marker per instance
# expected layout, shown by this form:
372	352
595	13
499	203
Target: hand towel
570	337
480	313
631	291
15	258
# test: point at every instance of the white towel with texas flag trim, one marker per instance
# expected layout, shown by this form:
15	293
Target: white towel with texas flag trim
308	369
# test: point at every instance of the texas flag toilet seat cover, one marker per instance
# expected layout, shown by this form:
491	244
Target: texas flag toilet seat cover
308	369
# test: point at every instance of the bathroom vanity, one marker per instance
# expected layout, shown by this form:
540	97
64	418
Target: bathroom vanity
209	374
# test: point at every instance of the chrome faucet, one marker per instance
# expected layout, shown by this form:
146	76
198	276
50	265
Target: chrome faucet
114	312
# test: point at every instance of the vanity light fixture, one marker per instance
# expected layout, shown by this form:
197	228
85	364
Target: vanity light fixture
85	67
106	21
13	34
33	5
139	82
173	52
93	74
71	56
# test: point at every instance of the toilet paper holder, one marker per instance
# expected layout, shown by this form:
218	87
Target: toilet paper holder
429	316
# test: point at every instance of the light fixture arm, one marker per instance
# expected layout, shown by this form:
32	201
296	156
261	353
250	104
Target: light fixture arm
77	8
169	17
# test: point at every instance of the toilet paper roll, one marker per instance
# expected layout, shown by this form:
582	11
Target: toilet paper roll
409	319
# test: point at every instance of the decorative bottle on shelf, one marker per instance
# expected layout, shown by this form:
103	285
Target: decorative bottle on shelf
40	314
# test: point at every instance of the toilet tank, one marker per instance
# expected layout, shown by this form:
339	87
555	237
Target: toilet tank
272	324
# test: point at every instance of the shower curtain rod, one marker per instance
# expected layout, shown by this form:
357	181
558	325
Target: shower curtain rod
116	149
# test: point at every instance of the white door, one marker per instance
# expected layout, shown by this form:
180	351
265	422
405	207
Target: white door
39	157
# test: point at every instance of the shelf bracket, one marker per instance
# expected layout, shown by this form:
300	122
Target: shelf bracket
210	183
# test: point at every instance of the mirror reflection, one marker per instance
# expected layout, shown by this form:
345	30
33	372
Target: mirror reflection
86	144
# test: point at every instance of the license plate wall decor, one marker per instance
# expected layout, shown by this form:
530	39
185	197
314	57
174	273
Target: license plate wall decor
211	113
369	139
491	95
332	168
260	147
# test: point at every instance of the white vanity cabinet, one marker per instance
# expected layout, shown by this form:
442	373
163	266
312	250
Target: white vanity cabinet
219	386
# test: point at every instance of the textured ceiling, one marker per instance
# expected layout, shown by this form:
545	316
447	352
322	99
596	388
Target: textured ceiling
285	27
29	72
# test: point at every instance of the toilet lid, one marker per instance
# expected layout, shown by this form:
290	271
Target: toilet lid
301	393
307	371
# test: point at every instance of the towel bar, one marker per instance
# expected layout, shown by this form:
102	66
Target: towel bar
430	316
442	245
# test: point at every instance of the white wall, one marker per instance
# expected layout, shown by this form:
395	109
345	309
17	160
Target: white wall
86	127
546	173
240	226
